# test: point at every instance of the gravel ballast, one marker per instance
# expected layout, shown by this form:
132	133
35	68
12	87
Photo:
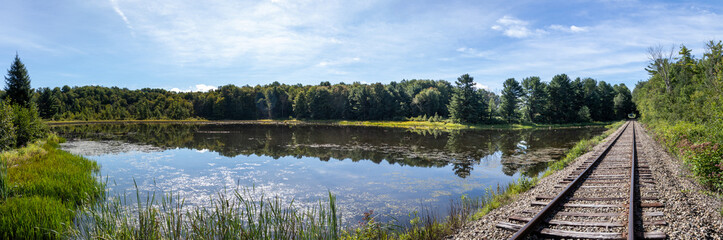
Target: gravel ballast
689	211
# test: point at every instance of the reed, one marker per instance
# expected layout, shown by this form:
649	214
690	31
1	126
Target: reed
4	187
231	215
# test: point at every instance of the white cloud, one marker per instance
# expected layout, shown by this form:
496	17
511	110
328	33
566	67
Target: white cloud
300	41
516	28
572	28
197	88
480	86
471	52
120	13
227	31
339	62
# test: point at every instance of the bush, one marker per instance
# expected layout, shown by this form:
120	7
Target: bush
695	145
706	162
7	128
28	125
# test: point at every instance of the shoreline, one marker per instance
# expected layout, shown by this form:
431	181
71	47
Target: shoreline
414	125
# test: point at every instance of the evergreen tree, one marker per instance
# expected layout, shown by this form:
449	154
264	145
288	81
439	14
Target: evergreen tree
591	97
577	101
18	84
510	98
535	98
465	106
607	102
560	97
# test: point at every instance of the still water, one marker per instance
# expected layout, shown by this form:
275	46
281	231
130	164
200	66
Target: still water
390	171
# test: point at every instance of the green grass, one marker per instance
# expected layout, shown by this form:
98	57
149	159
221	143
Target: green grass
33	217
42	188
444	125
56	174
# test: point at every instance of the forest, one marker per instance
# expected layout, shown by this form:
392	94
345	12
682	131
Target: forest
562	100
681	102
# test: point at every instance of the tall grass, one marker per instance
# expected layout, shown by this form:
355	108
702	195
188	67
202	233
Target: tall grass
4	187
243	214
235	215
33	217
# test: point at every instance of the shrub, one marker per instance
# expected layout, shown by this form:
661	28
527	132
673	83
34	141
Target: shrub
28	125
706	162
7	128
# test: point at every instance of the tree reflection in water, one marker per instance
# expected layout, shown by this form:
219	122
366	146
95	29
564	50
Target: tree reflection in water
526	151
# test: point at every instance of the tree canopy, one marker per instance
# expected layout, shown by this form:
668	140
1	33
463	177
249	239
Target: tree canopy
682	103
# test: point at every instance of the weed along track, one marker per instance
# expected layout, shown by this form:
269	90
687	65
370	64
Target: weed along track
608	197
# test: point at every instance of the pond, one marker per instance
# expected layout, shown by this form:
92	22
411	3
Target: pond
390	171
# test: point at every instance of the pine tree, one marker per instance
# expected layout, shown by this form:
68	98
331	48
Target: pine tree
510	98
465	106
535	98
560	98
18	84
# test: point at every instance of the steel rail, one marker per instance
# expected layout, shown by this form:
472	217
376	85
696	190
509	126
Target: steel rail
631	204
542	215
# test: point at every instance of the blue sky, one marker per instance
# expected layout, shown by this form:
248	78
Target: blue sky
196	45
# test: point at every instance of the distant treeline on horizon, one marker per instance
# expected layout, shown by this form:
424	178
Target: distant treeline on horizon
562	100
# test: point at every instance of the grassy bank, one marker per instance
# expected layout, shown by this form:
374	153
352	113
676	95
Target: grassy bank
424	125
41	187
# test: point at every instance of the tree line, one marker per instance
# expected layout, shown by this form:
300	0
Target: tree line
682	102
562	100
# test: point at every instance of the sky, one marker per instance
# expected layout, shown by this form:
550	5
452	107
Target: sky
190	45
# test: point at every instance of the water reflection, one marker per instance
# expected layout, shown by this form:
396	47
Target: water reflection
524	151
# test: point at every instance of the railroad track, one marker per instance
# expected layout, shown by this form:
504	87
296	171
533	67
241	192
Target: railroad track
608	197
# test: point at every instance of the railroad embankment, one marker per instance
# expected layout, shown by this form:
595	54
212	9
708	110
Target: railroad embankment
687	211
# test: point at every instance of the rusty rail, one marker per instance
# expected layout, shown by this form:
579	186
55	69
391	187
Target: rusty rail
528	228
631	204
